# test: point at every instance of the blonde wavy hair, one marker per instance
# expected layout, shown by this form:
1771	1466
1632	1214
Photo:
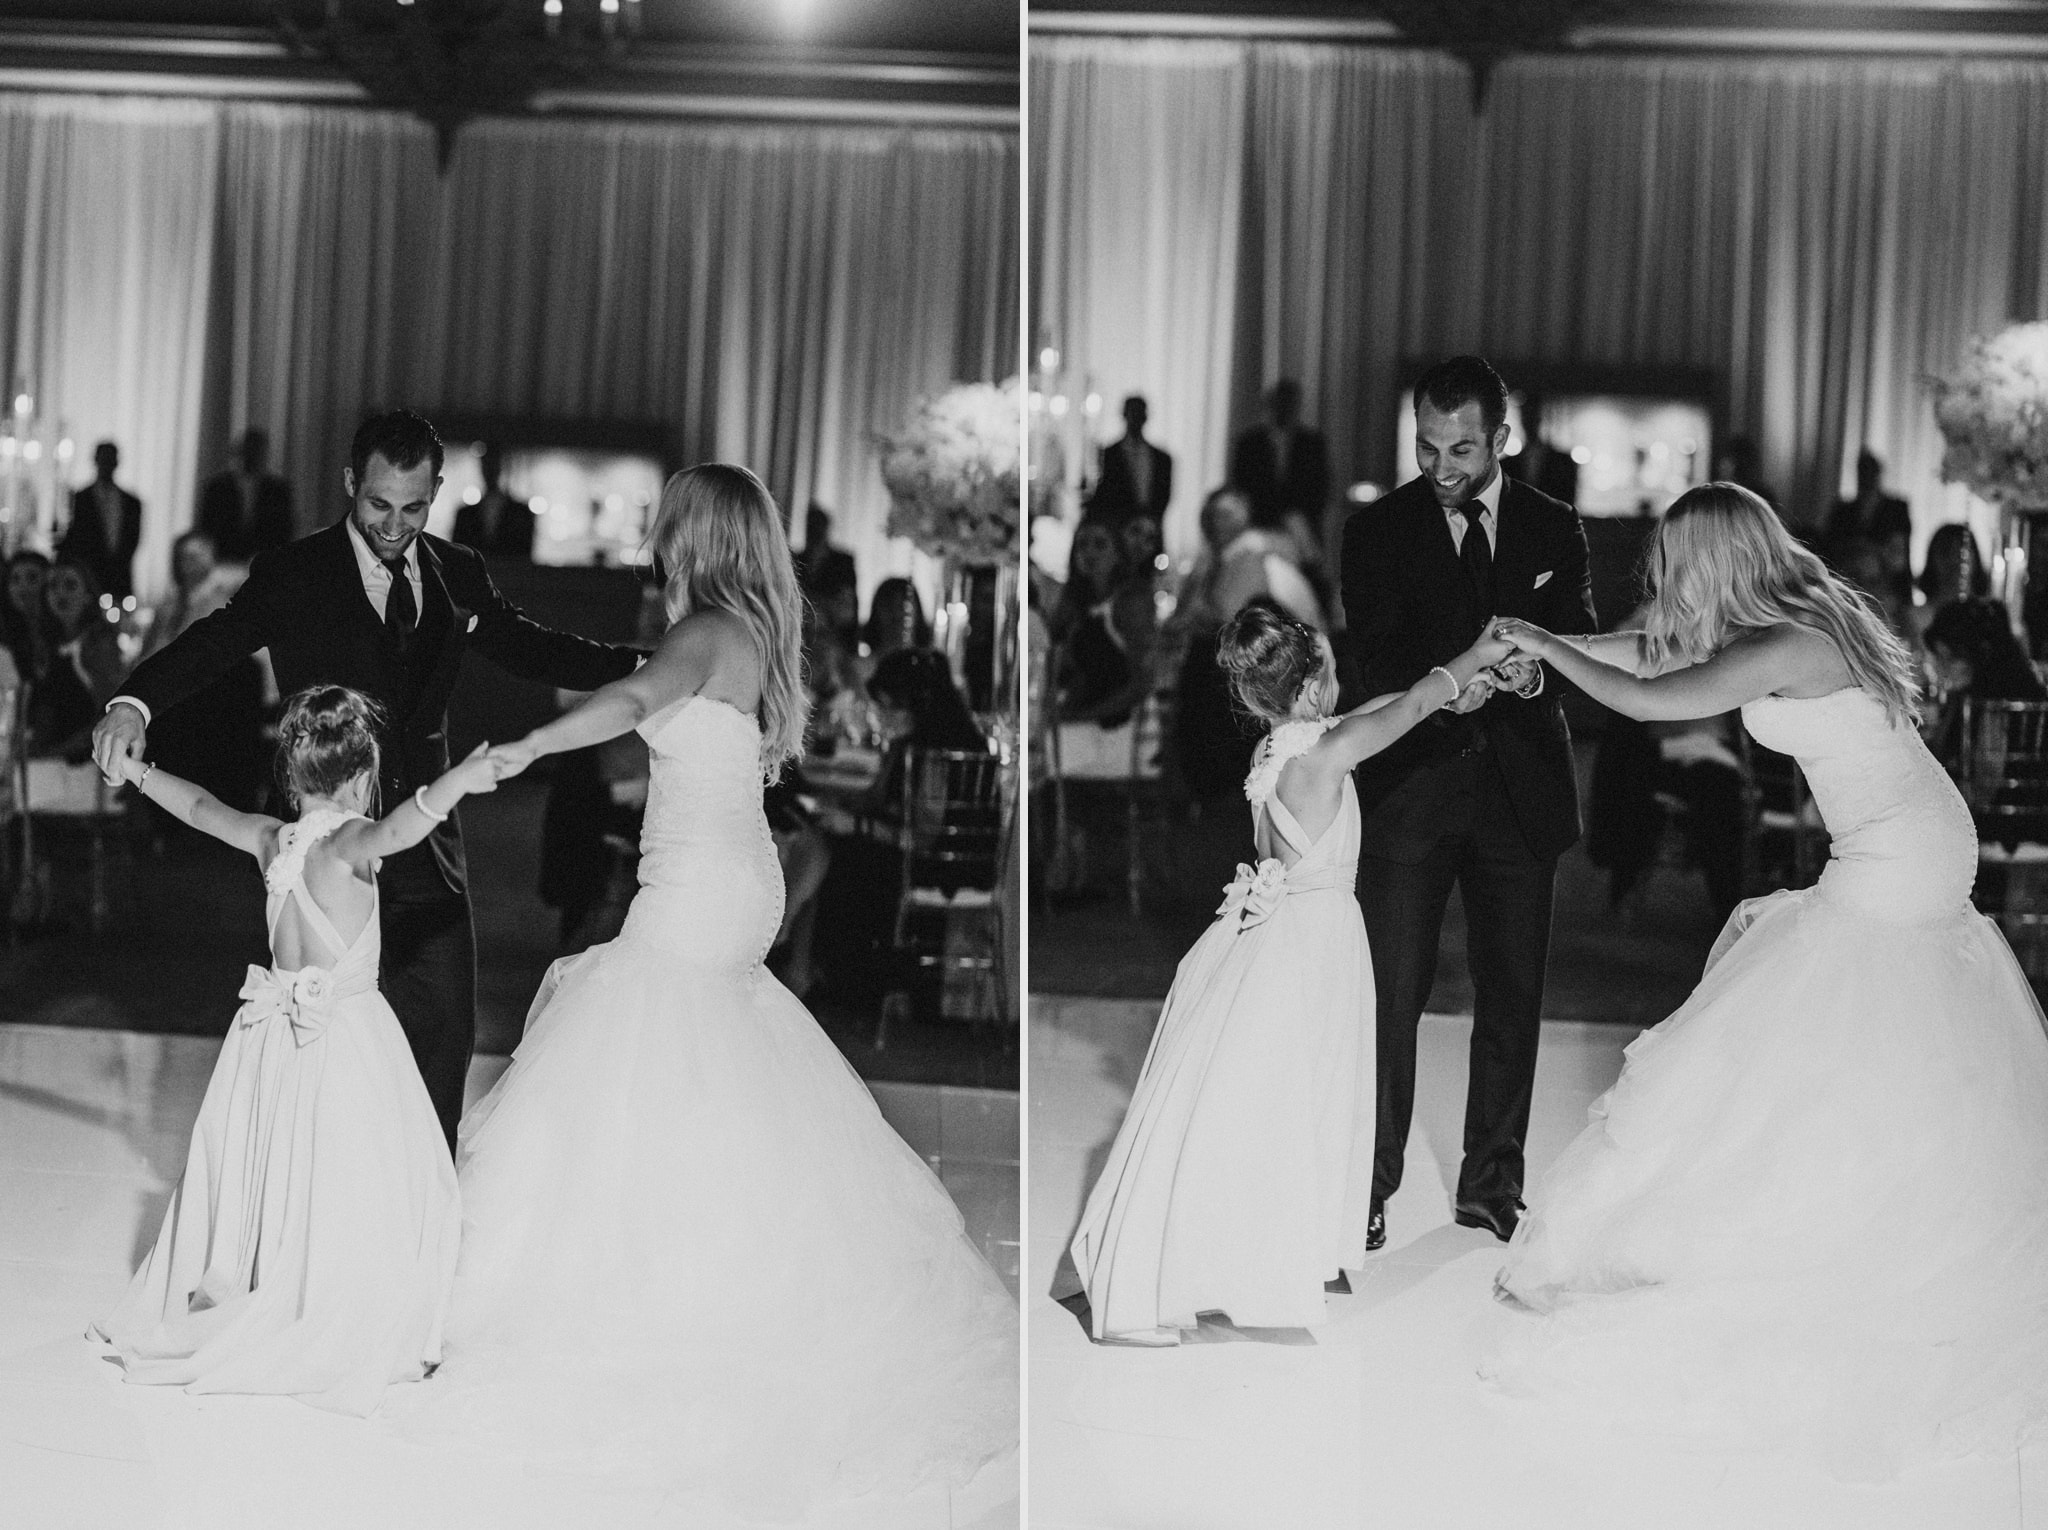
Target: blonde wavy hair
719	536
1723	564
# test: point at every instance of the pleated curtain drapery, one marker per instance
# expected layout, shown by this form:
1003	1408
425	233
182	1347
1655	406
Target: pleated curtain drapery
776	296
1822	234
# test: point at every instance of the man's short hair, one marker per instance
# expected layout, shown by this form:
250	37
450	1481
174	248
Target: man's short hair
1450	385
400	437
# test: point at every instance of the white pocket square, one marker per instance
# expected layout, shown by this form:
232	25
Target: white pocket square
472	621
1541	580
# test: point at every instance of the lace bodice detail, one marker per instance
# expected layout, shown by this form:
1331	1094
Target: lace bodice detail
288	867
1290	740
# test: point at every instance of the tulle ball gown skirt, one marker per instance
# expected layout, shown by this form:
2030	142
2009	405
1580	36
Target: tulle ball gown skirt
310	1246
1813	1212
695	1254
1241	1178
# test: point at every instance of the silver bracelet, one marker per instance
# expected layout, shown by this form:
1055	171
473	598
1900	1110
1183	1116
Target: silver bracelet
419	800
145	774
1457	690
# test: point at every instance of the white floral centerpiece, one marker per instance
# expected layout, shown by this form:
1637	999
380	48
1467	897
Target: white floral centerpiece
1993	413
954	474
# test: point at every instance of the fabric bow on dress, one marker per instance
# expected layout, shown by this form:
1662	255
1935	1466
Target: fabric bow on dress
1254	893
304	998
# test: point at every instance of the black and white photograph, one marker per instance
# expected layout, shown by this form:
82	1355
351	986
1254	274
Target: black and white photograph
511	763
1538	769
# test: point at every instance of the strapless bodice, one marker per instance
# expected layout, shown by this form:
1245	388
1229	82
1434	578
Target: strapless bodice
1903	846
706	856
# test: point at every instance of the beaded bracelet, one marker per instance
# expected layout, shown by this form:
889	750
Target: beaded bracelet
1457	690
419	800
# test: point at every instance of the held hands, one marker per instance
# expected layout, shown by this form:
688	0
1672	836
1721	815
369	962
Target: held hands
478	771
1522	636
510	759
117	744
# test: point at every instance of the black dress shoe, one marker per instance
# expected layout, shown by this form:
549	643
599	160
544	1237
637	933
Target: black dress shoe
1376	1228
1497	1217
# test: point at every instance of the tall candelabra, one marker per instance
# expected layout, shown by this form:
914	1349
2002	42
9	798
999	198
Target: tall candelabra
35	465
1065	410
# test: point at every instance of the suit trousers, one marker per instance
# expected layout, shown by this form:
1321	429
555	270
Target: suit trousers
428	976
1507	894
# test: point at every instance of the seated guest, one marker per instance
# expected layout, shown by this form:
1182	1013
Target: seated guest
1973	655
497	525
84	667
895	619
1954	571
920	708
22	625
1240	563
214	738
1103	629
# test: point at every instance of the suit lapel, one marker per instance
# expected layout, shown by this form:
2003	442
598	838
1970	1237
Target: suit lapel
452	619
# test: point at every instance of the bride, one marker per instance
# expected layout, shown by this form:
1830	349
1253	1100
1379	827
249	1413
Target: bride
1814	1209
692	1248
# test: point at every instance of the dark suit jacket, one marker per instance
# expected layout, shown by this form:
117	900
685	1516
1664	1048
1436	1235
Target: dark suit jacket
1305	486
512	537
236	539
86	539
1410	606
1116	492
305	602
825	568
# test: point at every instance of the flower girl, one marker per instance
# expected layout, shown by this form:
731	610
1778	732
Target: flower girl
1241	1179
310	1246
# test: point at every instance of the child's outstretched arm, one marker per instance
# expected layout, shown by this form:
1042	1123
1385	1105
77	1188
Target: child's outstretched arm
198	807
1366	731
360	842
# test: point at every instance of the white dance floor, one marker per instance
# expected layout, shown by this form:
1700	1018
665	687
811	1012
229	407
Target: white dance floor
93	1128
1381	1420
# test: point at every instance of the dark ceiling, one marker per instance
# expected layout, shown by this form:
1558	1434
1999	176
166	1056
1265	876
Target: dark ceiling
978	27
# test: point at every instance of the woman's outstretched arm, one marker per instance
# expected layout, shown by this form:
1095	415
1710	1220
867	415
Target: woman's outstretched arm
1759	665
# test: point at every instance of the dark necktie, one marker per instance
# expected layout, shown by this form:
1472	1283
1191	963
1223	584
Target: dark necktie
1478	556
401	612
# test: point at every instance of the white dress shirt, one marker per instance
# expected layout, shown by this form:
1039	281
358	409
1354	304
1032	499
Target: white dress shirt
1489	518
377	573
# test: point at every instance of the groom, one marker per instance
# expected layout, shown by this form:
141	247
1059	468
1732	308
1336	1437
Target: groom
375	604
1481	797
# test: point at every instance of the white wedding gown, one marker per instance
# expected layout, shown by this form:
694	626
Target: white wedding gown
1814	1209
693	1251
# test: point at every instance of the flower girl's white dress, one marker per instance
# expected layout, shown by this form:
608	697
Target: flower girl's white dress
1241	1179
310	1246
1814	1210
694	1253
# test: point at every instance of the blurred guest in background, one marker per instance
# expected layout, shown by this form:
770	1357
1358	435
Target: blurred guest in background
896	620
246	509
216	738
1872	518
1865	565
1136	477
1740	462
1972	656
1283	466
106	526
84	667
919	708
823	570
22	623
1103	630
497	525
1954	571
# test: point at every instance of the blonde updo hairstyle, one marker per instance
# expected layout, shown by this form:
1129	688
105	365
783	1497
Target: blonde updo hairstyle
721	544
1268	657
1723	564
326	739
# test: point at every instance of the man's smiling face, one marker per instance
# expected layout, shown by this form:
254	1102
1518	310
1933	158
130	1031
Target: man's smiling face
391	503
